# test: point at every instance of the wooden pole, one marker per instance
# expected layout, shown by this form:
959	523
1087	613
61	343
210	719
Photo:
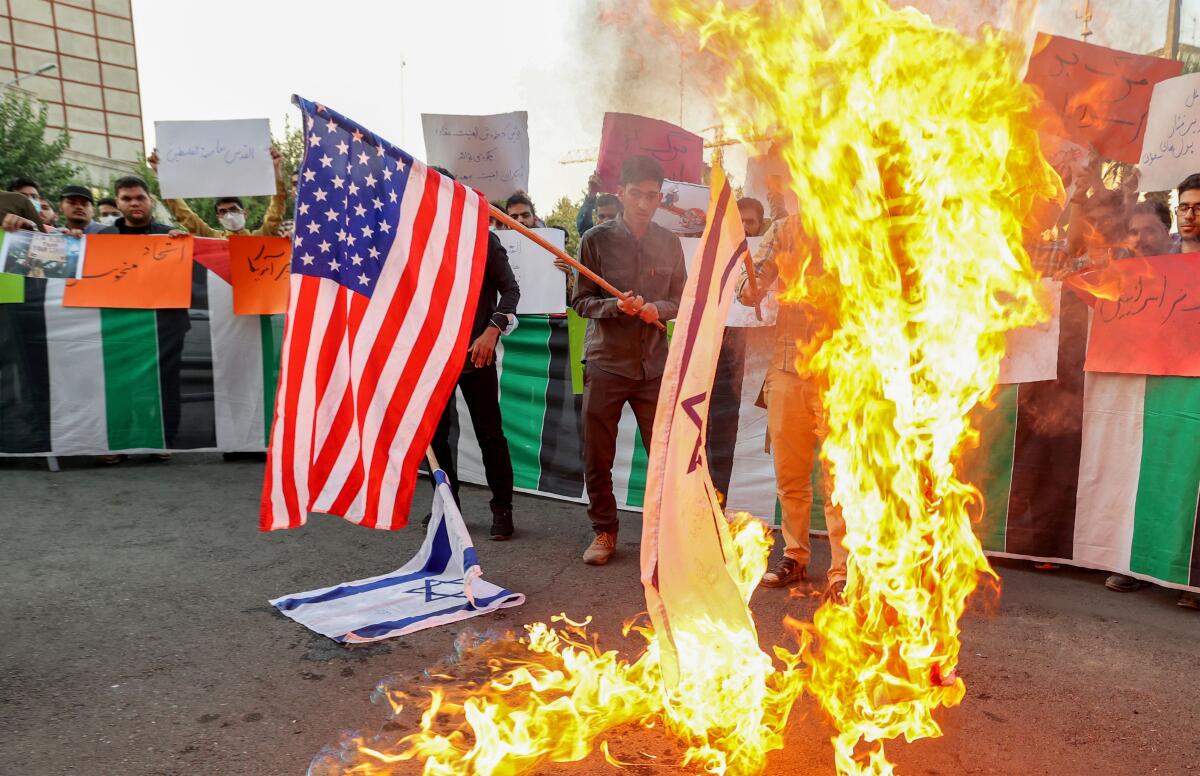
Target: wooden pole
516	225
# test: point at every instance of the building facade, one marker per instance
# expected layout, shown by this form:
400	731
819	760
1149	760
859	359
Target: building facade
92	90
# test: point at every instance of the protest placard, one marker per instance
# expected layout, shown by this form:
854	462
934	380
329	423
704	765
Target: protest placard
1101	96
261	272
1031	352
143	272
543	286
488	153
1146	318
740	316
12	289
684	208
1169	151
625	134
767	180
214	158
38	255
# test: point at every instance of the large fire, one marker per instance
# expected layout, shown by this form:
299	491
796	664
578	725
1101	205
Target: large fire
913	152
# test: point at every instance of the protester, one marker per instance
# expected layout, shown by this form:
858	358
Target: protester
1150	235
1188	212
520	207
1150	230
28	187
753	216
18	213
106	211
76	204
1098	235
795	414
231	211
133	200
625	353
479	382
48	215
587	217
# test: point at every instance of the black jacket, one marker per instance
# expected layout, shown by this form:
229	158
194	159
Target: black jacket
499	292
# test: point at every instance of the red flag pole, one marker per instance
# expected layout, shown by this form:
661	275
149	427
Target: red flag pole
515	225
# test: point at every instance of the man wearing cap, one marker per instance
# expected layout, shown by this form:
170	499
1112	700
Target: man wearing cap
77	208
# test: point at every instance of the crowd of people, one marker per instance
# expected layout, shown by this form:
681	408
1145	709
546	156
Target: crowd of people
625	352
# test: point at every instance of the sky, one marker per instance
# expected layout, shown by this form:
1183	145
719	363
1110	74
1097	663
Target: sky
384	62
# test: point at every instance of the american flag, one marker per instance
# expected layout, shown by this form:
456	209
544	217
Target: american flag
386	268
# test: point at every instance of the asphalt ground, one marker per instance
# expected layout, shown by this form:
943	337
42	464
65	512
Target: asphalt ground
137	639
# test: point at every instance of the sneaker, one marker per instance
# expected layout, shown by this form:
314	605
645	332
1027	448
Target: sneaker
786	572
601	550
836	592
111	460
1123	584
502	525
159	457
1188	600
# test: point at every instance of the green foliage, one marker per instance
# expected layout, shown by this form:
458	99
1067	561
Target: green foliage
291	146
24	151
563	216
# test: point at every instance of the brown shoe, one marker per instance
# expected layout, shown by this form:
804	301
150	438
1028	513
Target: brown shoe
786	572
601	550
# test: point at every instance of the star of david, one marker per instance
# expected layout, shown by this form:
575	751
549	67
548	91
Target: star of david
431	594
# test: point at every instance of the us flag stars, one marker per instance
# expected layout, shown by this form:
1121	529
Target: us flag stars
351	189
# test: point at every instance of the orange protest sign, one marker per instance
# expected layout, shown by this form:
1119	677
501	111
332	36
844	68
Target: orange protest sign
143	272
261	271
1101	96
1147	316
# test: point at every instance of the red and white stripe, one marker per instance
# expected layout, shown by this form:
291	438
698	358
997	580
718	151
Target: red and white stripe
362	381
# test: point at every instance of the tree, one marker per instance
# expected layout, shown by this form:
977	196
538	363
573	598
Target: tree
563	216
24	151
291	146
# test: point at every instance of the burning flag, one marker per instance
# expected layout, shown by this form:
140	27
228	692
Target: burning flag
915	160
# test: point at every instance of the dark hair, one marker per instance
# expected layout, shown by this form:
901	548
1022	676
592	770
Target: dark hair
750	203
1190	182
1153	208
106	201
131	182
604	200
520	198
22	183
222	200
444	171
636	169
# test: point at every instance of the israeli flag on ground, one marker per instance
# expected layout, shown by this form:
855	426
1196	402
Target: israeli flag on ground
440	585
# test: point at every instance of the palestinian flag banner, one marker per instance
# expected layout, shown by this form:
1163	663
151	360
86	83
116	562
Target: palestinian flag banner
88	381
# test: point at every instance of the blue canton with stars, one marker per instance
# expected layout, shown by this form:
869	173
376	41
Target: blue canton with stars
348	200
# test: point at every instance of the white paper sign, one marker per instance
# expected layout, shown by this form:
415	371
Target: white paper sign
488	153
684	208
543	286
214	158
740	316
1170	151
1031	353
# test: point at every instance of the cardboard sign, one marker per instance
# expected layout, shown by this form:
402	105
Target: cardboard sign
680	153
38	255
740	316
261	272
1100	95
214	158
1031	353
683	209
488	153
1169	152
1146	318
144	272
543	286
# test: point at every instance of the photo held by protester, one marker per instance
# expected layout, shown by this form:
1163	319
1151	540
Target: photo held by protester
739	387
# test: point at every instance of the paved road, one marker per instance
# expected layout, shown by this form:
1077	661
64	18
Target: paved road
137	639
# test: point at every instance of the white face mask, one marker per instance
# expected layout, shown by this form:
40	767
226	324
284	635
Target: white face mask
234	222
108	220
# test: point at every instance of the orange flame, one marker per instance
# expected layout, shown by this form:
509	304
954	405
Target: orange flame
915	157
